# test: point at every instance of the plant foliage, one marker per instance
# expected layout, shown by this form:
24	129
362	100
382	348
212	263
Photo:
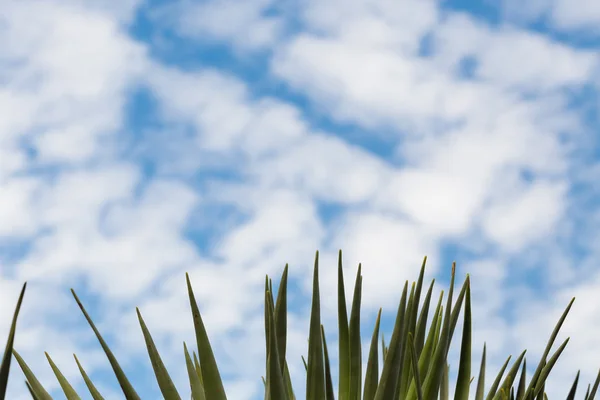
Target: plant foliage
414	367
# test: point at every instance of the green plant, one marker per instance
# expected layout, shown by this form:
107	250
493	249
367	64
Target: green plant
5	366
414	363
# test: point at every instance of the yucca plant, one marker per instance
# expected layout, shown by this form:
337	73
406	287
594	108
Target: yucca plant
6	359
414	363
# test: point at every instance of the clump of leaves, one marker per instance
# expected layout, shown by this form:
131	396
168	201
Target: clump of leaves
414	363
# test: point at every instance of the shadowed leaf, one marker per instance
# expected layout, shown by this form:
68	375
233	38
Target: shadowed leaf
8	349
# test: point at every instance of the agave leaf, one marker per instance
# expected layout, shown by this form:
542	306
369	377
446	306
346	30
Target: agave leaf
6	359
128	391
428	349
195	384
409	372
275	385
315	379
538	370
288	382
93	391
464	369
70	393
444	386
384	349
548	367
510	377
521	390
587	394
571	395
494	388
434	376
354	340
267	290
35	385
211	379
415	366
455	312
267	385
502	393
405	370
422	322
595	388
437	335
541	394
198	369
167	388
372	374
267	380
33	395
391	365
281	317
419	336
328	381
344	337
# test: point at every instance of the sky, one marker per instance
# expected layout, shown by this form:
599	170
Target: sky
140	140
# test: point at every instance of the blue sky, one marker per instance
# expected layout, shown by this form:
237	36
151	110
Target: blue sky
140	140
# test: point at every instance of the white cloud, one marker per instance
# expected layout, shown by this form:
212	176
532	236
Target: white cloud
74	70
536	63
141	239
370	86
390	250
579	16
381	23
443	203
225	119
247	25
327	168
122	11
509	56
16	203
516	222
